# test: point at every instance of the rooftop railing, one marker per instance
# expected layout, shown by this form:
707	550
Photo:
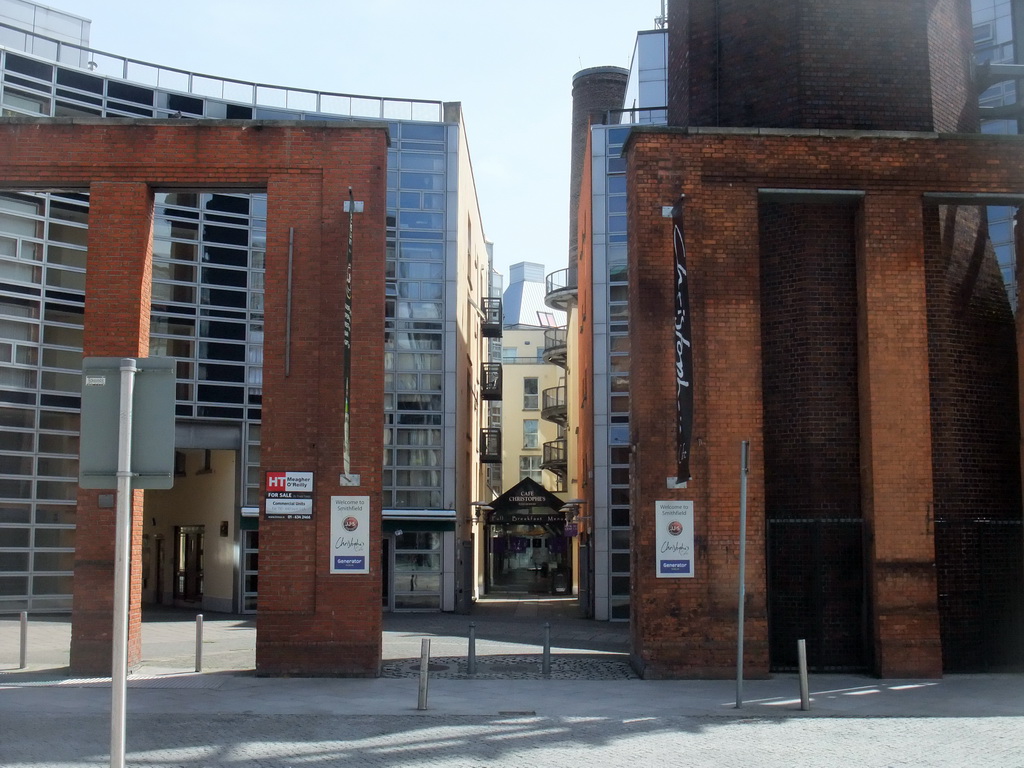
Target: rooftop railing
212	86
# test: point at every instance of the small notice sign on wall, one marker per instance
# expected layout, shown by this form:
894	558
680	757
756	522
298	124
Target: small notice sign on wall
350	534
674	539
289	495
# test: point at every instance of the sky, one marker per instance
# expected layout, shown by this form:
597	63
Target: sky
510	63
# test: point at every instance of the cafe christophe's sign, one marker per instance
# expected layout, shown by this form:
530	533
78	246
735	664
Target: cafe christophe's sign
527	518
513	507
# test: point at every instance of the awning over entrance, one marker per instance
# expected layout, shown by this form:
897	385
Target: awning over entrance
513	505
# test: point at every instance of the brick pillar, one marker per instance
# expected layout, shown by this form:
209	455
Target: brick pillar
686	627
896	461
118	284
312	622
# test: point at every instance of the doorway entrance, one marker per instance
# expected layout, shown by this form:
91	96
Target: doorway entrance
526	551
529	558
188	565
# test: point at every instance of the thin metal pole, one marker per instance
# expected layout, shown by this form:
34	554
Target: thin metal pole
805	696
546	659
744	469
122	563
471	659
288	305
424	672
199	642
23	654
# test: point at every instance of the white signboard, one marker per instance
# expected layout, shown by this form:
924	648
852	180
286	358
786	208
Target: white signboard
289	495
674	540
350	534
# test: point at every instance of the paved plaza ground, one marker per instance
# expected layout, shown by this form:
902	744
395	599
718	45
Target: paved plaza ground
591	710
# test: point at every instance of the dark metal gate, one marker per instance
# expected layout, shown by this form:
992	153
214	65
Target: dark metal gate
816	591
980	567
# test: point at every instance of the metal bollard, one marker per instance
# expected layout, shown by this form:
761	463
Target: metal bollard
199	642
424	672
805	698
23	654
546	659
471	658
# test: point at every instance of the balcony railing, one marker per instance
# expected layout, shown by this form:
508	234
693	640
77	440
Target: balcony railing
555	457
490	381
556	347
561	288
490	446
554	406
491	326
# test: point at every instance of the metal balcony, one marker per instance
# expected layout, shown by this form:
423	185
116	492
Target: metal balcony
490	381
490	446
491	325
561	289
553	405
556	346
556	457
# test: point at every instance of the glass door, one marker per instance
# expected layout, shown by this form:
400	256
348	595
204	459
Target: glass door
416	571
250	570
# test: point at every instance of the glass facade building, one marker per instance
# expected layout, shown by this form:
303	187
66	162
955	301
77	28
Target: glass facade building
645	103
995	42
207	313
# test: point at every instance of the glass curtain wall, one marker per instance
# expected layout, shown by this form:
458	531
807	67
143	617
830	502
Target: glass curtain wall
611	371
994	42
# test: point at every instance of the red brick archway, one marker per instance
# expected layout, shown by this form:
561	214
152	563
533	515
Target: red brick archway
687	627
310	622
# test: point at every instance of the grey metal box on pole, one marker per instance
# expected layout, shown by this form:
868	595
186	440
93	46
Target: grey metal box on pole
152	445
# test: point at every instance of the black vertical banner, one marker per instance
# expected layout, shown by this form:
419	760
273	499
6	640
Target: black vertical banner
684	349
347	373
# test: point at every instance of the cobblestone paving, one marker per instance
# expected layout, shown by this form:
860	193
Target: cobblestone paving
523	667
296	741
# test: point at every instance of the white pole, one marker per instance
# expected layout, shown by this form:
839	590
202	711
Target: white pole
199	642
122	562
23	652
424	673
805	696
744	468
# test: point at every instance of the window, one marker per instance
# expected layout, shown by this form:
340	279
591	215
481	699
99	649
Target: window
531	437
508	354
531	394
529	467
546	320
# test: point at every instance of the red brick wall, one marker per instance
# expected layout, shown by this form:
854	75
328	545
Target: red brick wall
118	283
896	436
310	622
871	65
973	375
972	357
686	627
809	336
